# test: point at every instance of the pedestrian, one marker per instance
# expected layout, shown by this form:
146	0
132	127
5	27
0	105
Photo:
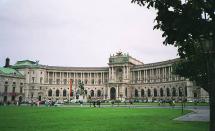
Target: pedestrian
94	103
98	103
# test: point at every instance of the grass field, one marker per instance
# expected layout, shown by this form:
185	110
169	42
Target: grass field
94	119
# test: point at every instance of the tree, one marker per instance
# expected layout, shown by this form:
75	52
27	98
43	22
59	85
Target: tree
189	25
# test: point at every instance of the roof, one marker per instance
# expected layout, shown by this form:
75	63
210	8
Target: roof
26	64
10	72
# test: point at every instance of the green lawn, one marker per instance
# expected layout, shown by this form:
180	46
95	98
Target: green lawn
93	119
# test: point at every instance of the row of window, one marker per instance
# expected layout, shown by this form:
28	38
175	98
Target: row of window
13	89
85	81
57	93
14	83
181	92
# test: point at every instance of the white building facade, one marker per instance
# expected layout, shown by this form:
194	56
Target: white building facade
123	78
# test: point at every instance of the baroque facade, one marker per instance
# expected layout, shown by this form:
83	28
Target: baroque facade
124	78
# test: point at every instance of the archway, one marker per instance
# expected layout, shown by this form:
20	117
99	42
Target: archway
113	93
99	93
136	93
92	93
40	98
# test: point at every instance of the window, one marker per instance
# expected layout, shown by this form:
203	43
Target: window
142	93
149	92
5	89
92	82
57	93
92	93
32	95
21	88
161	92
50	81
14	89
126	92
155	93
136	93
180	91
50	92
85	82
40	87
173	91
5	98
167	92
33	79
65	81
13	98
58	81
99	93
14	83
41	79
64	92
6	83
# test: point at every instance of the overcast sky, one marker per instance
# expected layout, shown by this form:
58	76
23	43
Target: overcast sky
78	32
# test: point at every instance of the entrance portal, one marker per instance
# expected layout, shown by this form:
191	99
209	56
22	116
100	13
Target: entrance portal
40	98
113	93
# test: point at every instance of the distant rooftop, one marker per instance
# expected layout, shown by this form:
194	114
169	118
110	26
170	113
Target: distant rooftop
26	63
10	72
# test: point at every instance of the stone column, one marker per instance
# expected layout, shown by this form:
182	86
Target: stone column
141	76
48	77
113	76
150	75
90	81
117	92
108	93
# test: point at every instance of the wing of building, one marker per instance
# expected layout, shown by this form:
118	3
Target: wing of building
124	78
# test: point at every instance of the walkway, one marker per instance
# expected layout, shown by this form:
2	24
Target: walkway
196	115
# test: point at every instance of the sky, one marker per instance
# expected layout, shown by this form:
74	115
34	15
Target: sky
79	32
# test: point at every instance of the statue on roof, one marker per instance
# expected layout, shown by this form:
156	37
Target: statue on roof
119	53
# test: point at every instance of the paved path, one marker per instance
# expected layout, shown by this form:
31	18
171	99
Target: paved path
196	115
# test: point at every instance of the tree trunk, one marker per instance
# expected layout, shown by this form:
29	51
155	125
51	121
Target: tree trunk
212	108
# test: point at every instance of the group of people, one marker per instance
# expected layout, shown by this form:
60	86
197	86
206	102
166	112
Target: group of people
95	102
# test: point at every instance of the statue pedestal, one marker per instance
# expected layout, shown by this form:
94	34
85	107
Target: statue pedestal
82	98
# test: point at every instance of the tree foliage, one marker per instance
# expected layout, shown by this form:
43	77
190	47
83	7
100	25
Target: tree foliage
189	25
186	24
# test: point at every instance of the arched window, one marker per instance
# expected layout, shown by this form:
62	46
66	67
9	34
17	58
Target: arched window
167	92
149	93
85	91
136	93
155	93
180	91
126	92
57	92
99	93
173	91
92	93
64	92
161	92
50	92
142	93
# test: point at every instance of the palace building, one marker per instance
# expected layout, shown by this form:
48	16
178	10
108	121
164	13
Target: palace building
124	78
